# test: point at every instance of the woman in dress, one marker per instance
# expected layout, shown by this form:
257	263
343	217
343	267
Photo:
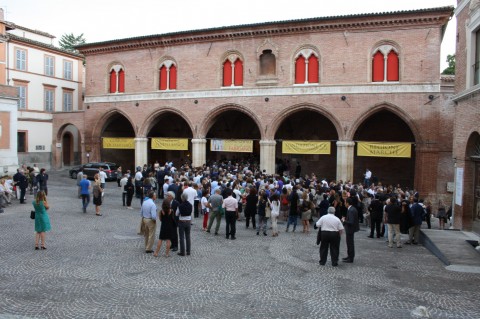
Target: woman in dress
97	195
275	207
306	209
166	228
42	221
251	207
261	211
284	204
442	215
205	210
130	189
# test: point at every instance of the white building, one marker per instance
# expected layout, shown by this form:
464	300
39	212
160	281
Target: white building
49	81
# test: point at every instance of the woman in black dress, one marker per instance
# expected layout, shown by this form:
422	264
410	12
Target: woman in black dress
251	206
166	228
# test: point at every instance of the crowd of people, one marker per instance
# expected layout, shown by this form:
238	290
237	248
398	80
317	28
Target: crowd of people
236	191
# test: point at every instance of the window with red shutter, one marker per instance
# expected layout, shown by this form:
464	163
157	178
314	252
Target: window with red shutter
392	66
312	69
378	67
300	70
113	81
173	77
238	70
121	81
163	77
227	73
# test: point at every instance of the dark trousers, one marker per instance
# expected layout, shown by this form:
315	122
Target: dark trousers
175	235
247	219
124	197
85	200
350	245
428	220
230	220
195	208
23	192
375	225
129	199
184	232
330	239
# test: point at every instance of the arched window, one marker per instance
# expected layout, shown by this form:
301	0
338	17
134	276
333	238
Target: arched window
232	71
385	64
267	63
167	76
306	67
117	79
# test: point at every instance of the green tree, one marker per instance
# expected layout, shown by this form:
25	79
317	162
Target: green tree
450	70
69	41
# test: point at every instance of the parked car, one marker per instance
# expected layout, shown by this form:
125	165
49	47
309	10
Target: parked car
93	168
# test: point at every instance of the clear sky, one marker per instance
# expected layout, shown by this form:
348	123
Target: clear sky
102	20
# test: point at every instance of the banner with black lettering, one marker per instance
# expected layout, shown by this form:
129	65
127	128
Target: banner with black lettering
382	149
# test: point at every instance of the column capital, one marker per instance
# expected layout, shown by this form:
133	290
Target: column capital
199	141
268	142
345	144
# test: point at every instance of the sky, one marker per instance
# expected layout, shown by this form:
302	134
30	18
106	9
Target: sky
103	20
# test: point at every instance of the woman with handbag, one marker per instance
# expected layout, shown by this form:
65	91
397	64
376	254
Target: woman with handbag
42	221
262	217
97	195
306	209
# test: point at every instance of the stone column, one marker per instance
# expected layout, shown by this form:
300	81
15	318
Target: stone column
345	155
199	152
267	156
141	151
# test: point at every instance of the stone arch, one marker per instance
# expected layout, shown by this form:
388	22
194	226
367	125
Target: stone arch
306	51
212	115
75	147
281	116
102	121
61	131
384	106
151	118
385	46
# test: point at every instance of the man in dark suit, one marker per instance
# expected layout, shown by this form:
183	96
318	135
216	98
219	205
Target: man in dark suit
351	227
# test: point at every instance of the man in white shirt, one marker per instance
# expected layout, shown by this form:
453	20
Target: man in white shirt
368	176
231	213
331	228
103	176
123	182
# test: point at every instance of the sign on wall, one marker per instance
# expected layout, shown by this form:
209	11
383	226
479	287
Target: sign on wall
126	143
306	147
171	144
240	146
459	186
379	149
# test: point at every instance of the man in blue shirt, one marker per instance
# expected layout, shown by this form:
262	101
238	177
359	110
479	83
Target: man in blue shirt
149	220
85	192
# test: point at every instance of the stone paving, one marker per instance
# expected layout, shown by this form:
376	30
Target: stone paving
95	267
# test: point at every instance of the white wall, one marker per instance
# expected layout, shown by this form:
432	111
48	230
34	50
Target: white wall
8	157
39	133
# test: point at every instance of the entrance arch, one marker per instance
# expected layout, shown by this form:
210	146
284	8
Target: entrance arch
169	125
232	124
69	137
385	126
307	125
471	185
117	125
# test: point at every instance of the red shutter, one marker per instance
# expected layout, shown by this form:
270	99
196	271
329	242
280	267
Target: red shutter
313	69
238	73
378	66
392	66
121	81
227	73
173	77
163	78
300	70
113	81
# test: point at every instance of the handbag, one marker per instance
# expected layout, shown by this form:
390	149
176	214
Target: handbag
32	214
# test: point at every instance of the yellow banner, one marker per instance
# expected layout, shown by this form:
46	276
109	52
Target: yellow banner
171	144
306	147
240	146
126	143
378	149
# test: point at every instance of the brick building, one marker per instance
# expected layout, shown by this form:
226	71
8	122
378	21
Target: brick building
340	80
466	140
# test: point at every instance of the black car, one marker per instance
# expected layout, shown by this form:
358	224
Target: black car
93	168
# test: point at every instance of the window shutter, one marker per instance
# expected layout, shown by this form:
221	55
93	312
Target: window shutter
173	77
378	67
113	81
227	73
163	78
121	81
312	69
300	70
392	66
238	73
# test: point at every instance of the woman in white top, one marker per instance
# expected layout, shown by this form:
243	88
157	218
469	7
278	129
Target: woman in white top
204	202
275	208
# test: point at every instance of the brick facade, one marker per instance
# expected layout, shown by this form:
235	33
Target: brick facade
344	99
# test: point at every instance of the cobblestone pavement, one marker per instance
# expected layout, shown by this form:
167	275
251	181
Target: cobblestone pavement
95	267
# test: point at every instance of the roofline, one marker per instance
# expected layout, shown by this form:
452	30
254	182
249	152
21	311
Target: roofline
44	45
12	26
445	9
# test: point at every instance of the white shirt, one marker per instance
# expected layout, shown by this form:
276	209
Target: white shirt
368	174
102	175
204	202
192	193
138	176
123	182
330	222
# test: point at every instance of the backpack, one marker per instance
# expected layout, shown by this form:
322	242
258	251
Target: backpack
284	201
